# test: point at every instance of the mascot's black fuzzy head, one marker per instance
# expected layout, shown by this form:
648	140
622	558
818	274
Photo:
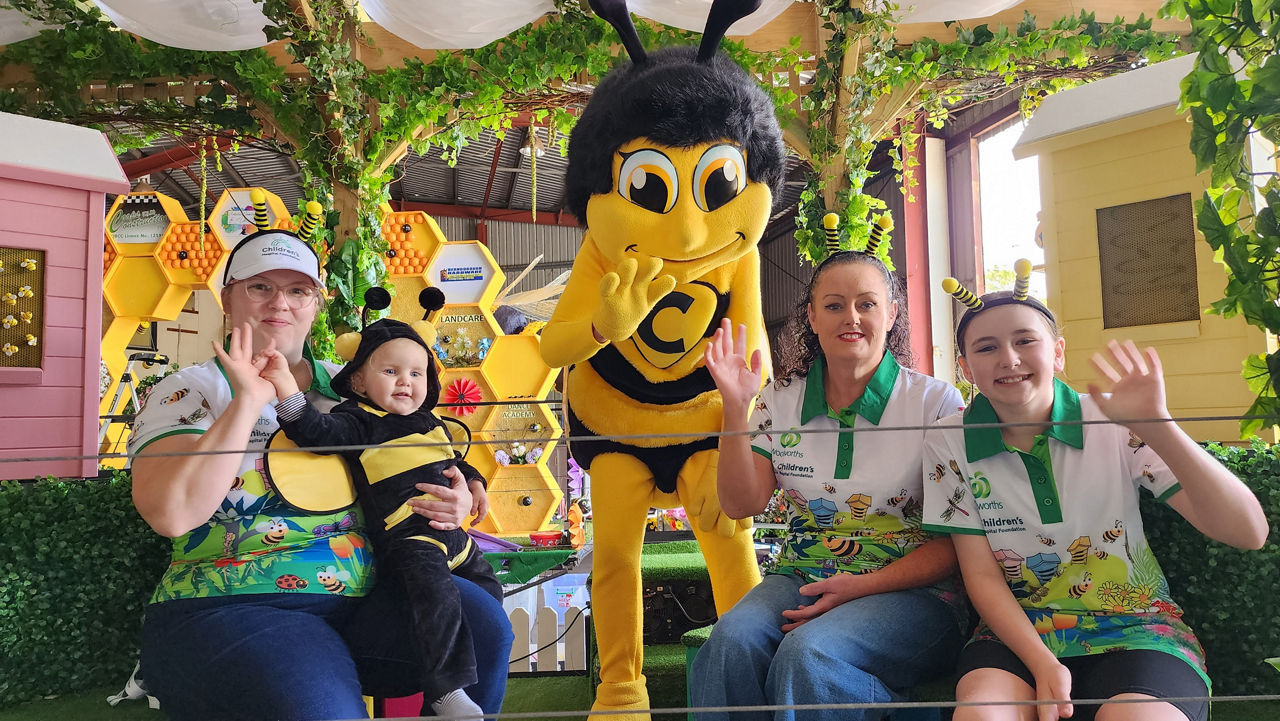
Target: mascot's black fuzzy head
673	99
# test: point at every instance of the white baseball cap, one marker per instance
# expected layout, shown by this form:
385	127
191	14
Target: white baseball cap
269	250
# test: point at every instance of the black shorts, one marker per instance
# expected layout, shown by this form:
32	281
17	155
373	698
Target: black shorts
1104	675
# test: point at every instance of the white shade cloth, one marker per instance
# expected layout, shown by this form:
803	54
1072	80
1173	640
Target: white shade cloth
14	26
430	24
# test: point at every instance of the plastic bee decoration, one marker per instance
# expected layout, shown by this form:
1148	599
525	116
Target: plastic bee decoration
672	169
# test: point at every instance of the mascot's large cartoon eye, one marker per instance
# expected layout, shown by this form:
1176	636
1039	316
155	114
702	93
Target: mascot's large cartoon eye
648	179
720	176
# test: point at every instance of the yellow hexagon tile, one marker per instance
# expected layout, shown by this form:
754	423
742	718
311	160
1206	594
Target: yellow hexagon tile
187	259
515	365
522	499
404	303
458	387
137	287
464	336
413	238
466	273
521	434
232	216
109	254
137	221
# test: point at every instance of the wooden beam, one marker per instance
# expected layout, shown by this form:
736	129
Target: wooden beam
473	212
176	157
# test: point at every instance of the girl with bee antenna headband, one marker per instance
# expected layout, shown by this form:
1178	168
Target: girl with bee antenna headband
1044	518
863	604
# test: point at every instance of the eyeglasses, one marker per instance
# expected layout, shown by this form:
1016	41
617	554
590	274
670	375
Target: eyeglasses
297	296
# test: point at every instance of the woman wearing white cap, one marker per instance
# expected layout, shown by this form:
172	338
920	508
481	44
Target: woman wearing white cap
266	611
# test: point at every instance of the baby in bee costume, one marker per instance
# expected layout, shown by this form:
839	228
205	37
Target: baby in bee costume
391	385
672	167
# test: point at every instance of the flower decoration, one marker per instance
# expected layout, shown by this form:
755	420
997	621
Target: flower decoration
534	454
25	292
463	390
9	348
9	322
457	349
502	458
576	477
32	340
518	454
25	316
28	263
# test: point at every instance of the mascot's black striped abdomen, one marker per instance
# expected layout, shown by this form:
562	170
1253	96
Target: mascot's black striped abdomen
664	461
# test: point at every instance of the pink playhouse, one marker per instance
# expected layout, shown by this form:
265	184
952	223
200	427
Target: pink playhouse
53	184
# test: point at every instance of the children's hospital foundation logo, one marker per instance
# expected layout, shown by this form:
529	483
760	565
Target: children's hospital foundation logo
280	246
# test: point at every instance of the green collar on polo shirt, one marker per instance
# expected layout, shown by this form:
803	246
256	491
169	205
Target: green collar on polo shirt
320	380
982	443
870	406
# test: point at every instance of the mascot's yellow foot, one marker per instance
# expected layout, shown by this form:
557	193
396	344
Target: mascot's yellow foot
623	696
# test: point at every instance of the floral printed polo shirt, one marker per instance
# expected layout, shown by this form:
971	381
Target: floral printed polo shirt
1063	523
853	499
254	543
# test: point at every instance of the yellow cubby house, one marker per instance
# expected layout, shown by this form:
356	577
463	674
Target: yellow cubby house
1123	258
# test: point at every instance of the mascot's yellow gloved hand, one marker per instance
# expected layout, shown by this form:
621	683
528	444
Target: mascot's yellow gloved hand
702	503
627	295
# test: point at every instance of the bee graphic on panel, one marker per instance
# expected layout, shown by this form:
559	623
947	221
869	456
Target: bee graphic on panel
938	473
898	499
953	504
1079	589
828	488
1111	535
842	547
1045	540
274	530
332	579
673	166
175	396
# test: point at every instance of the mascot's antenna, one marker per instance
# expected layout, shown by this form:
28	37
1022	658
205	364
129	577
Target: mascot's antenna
723	14
615	13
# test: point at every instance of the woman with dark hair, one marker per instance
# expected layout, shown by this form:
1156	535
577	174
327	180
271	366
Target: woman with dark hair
862	604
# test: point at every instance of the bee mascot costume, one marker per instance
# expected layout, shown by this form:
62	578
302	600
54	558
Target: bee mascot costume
672	166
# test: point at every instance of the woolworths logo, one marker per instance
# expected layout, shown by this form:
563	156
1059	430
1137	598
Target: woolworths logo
979	484
790	439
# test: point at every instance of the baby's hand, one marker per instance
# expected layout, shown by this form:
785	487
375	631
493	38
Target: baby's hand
276	370
479	501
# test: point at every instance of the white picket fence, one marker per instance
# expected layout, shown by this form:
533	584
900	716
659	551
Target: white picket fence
544	645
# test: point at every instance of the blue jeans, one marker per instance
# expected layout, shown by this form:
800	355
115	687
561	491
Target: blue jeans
867	650
305	656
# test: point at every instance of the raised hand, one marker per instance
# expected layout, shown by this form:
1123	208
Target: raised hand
737	381
627	295
1136	382
244	368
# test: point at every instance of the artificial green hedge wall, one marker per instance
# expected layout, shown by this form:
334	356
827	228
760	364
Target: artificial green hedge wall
1230	596
77	565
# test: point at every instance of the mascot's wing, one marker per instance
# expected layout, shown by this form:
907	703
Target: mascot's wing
537	304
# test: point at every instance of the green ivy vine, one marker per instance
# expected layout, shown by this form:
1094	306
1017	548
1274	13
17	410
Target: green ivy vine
1233	99
940	78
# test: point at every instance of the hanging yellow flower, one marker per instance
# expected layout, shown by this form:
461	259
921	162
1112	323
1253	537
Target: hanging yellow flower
28	263
9	349
9	322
